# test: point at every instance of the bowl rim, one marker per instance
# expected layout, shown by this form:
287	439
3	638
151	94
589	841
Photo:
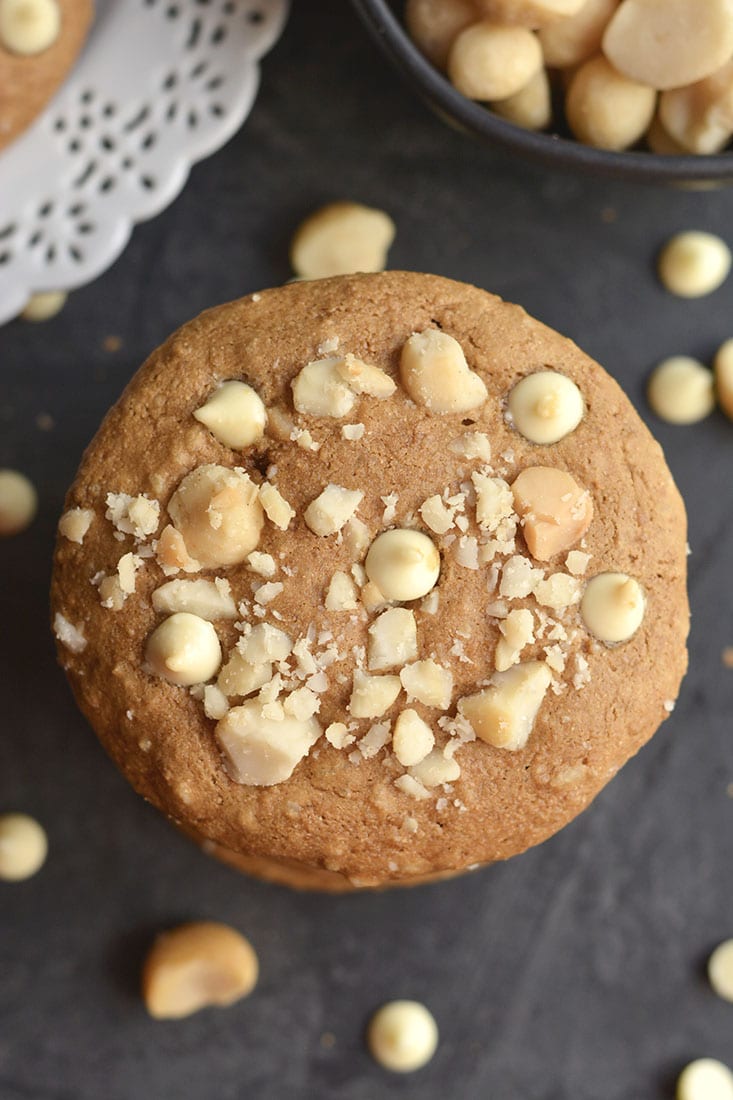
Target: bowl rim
475	118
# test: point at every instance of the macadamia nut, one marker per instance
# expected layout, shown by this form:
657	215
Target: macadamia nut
320	390
530	13
47	304
571	41
412	738
184	650
435	769
681	390
234	414
435	24
23	847
606	108
392	639
373	695
705	1079
517	631
428	682
720	970
531	106
29	27
18	502
365	378
545	406
693	264
504	713
612	607
341	238
197	965
219	515
209	600
699	117
331	509
556	512
488	61
435	373
404	564
723	368
403	1036
260	751
75	523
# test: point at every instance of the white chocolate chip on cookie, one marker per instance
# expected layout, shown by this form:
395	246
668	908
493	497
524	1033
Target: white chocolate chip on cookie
404	564
612	607
28	27
184	650
412	738
435	373
234	414
545	406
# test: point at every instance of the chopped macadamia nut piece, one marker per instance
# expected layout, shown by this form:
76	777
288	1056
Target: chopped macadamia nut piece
517	632
437	515
196	965
68	634
302	704
577	562
429	683
29	27
531	106
341	595
373	695
340	239
409	785
720	970
372	599
494	501
518	578
504	713
671	43
265	642
241	677
320	390
530	13
570	41
138	516
184	650
699	117
331	509
488	61
337	734
262	564
234	414
364	378
545	406
472	445
127	567
723	367
276	508
558	591
47	304
260	751
18	502
111	595
705	1079
693	264
216	703
172	553
412	738
403	1036
681	390
606	109
375	739
436	769
612	607
392	639
268	592
23	847
556	512
219	515
404	564
352	432
210	600
435	373
356	537
435	24
659	141
75	523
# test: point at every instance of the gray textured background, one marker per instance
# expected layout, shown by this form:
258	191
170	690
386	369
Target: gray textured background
576	972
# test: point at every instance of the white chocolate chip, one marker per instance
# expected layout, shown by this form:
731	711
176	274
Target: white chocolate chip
319	390
68	634
556	512
494	501
184	650
412	738
558	591
517	631
210	600
23	847
607	109
693	264
364	378
681	390
18	502
723	367
435	24
260	751
392	639
277	509
472	445
504	713
404	564
545	406
571	41
331	509
436	769
669	44
403	1036
488	61
29	27
435	373
612	607
341	238
372	695
234	414
429	683
720	970
47	304
218	513
341	594
241	677
263	565
75	523
138	516
705	1079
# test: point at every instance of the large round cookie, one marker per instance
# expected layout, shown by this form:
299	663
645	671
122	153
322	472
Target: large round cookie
350	813
28	80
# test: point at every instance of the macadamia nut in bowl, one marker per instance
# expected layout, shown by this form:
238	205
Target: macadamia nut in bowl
347	658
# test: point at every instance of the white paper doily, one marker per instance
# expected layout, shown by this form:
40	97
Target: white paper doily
160	85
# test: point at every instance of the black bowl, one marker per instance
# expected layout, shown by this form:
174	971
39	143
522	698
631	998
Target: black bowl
553	150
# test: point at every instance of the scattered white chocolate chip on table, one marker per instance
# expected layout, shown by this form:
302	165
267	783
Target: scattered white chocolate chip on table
705	1079
720	970
681	390
195	966
341	238
694	263
723	372
18	502
45	305
29	27
23	847
403	1036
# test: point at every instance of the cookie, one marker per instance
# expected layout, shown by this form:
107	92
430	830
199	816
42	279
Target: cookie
39	42
370	580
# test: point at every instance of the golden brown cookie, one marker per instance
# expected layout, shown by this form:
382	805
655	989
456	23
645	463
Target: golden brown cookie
39	42
311	498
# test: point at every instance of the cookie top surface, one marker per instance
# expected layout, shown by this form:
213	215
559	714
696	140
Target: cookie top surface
370	579
39	42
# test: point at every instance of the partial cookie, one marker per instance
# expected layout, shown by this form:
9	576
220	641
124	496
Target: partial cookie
377	635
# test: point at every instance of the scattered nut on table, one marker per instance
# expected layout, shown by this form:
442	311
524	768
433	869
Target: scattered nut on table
23	847
723	373
197	965
693	264
18	502
341	238
705	1079
681	390
44	306
403	1036
720	970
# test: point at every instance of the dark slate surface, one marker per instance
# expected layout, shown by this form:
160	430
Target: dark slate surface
576	972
